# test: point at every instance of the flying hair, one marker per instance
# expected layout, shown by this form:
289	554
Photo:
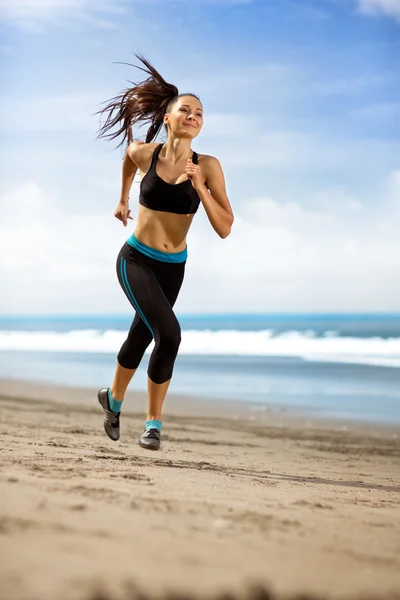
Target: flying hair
146	101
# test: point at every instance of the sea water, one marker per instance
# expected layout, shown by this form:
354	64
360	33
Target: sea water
342	366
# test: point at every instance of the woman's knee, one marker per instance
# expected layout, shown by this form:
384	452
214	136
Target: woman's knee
134	347
170	341
129	357
162	360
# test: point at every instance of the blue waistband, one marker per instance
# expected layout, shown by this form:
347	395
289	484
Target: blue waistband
174	257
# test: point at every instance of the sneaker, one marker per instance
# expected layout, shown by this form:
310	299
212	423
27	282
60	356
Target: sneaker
111	419
150	439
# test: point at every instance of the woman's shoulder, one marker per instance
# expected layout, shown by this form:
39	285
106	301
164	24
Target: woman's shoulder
206	157
139	146
207	161
139	151
143	150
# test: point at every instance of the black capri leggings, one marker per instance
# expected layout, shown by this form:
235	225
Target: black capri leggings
151	280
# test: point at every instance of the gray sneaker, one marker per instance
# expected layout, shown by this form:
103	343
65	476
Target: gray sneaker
150	439
111	419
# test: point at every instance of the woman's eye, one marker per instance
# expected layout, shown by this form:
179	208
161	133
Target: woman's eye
186	110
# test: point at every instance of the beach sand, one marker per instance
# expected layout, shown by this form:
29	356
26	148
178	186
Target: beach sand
238	496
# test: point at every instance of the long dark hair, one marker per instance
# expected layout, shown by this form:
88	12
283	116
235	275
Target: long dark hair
146	101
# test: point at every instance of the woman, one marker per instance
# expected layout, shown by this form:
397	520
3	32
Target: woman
151	264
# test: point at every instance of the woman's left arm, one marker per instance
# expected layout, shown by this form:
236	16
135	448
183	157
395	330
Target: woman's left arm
212	193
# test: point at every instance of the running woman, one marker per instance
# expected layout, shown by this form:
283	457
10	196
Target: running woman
150	266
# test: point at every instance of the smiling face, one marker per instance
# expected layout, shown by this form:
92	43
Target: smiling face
185	118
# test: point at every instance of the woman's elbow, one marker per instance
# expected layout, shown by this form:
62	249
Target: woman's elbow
227	229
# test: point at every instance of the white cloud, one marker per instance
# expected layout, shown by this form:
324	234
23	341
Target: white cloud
53	259
36	11
378	112
339	255
272	237
349	85
375	7
43	240
297	150
75	112
31	14
392	187
68	112
230	125
282	256
276	77
262	141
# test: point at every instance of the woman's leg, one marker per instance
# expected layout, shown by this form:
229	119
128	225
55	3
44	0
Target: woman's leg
122	378
130	356
170	279
138	339
128	359
154	305
156	393
153	287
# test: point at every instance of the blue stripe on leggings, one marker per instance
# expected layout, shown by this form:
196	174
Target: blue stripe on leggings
130	295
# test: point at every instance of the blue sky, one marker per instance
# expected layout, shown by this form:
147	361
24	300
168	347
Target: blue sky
301	106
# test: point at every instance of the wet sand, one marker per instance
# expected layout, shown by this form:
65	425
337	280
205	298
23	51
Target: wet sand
237	497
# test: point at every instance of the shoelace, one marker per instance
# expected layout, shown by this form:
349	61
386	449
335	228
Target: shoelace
113	418
153	433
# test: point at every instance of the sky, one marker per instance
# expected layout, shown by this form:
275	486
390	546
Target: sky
301	108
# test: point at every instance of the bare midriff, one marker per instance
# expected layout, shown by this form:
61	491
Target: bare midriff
163	231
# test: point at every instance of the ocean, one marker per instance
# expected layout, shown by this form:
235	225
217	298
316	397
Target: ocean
345	366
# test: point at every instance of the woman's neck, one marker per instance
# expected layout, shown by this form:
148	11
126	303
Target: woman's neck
177	150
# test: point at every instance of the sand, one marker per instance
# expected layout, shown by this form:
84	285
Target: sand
237	497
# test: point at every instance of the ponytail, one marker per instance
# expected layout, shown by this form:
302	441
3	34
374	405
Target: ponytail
146	101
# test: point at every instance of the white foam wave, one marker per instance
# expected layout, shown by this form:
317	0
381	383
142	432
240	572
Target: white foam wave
306	345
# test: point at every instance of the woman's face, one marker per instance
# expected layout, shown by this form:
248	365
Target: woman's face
186	117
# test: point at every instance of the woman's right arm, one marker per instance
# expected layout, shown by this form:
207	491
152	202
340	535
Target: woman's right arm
129	169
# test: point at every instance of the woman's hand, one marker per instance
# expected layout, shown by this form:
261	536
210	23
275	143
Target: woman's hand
194	174
123	213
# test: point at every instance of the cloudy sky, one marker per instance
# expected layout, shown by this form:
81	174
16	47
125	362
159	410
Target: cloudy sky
301	106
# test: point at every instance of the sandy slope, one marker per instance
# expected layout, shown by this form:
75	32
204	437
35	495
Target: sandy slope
235	497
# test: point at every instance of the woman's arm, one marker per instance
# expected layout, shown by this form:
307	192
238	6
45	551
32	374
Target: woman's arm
214	198
129	169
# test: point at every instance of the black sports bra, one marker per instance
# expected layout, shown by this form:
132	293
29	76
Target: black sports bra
157	194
